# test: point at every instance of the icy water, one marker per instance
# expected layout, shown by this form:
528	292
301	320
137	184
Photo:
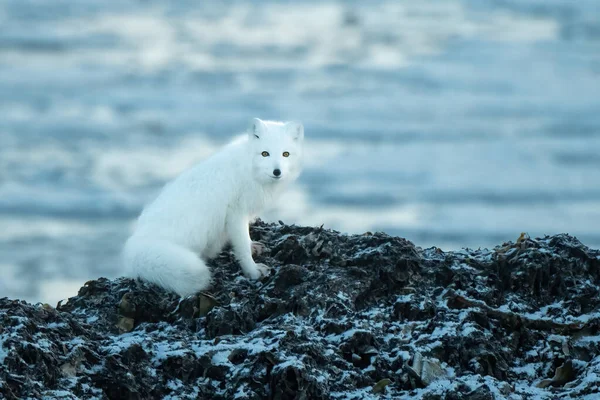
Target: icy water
450	123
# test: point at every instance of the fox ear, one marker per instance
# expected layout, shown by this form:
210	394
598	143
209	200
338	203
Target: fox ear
256	128
295	129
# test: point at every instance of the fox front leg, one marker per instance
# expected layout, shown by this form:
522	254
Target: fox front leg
239	235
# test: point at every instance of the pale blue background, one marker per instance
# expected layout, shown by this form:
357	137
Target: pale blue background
450	123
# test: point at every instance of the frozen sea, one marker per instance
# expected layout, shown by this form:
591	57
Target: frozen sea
451	123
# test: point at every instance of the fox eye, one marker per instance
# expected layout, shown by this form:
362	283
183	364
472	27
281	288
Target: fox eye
265	154
286	153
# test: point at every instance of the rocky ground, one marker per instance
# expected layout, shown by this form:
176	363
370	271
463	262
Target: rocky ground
340	317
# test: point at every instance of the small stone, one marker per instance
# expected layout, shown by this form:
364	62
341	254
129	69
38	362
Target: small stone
379	387
125	324
206	302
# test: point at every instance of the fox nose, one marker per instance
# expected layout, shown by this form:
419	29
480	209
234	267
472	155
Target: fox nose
276	172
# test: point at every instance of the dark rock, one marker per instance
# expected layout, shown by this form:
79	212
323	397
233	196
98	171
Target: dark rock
357	317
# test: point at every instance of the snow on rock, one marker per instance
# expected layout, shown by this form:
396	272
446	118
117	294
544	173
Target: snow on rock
340	317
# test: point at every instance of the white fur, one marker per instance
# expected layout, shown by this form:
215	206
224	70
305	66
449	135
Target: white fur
212	204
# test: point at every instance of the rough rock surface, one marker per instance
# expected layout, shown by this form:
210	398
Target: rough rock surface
341	317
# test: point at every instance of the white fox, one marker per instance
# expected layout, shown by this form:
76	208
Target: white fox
211	205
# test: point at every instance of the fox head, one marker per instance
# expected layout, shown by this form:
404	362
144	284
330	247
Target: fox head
276	150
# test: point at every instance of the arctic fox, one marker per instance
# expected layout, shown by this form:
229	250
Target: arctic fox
210	205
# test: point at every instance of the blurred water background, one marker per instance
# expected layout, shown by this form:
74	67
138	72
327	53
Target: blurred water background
451	123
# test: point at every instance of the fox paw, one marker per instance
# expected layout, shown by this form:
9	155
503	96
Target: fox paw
264	269
257	248
258	272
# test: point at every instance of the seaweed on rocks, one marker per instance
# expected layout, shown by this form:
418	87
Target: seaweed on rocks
340	317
